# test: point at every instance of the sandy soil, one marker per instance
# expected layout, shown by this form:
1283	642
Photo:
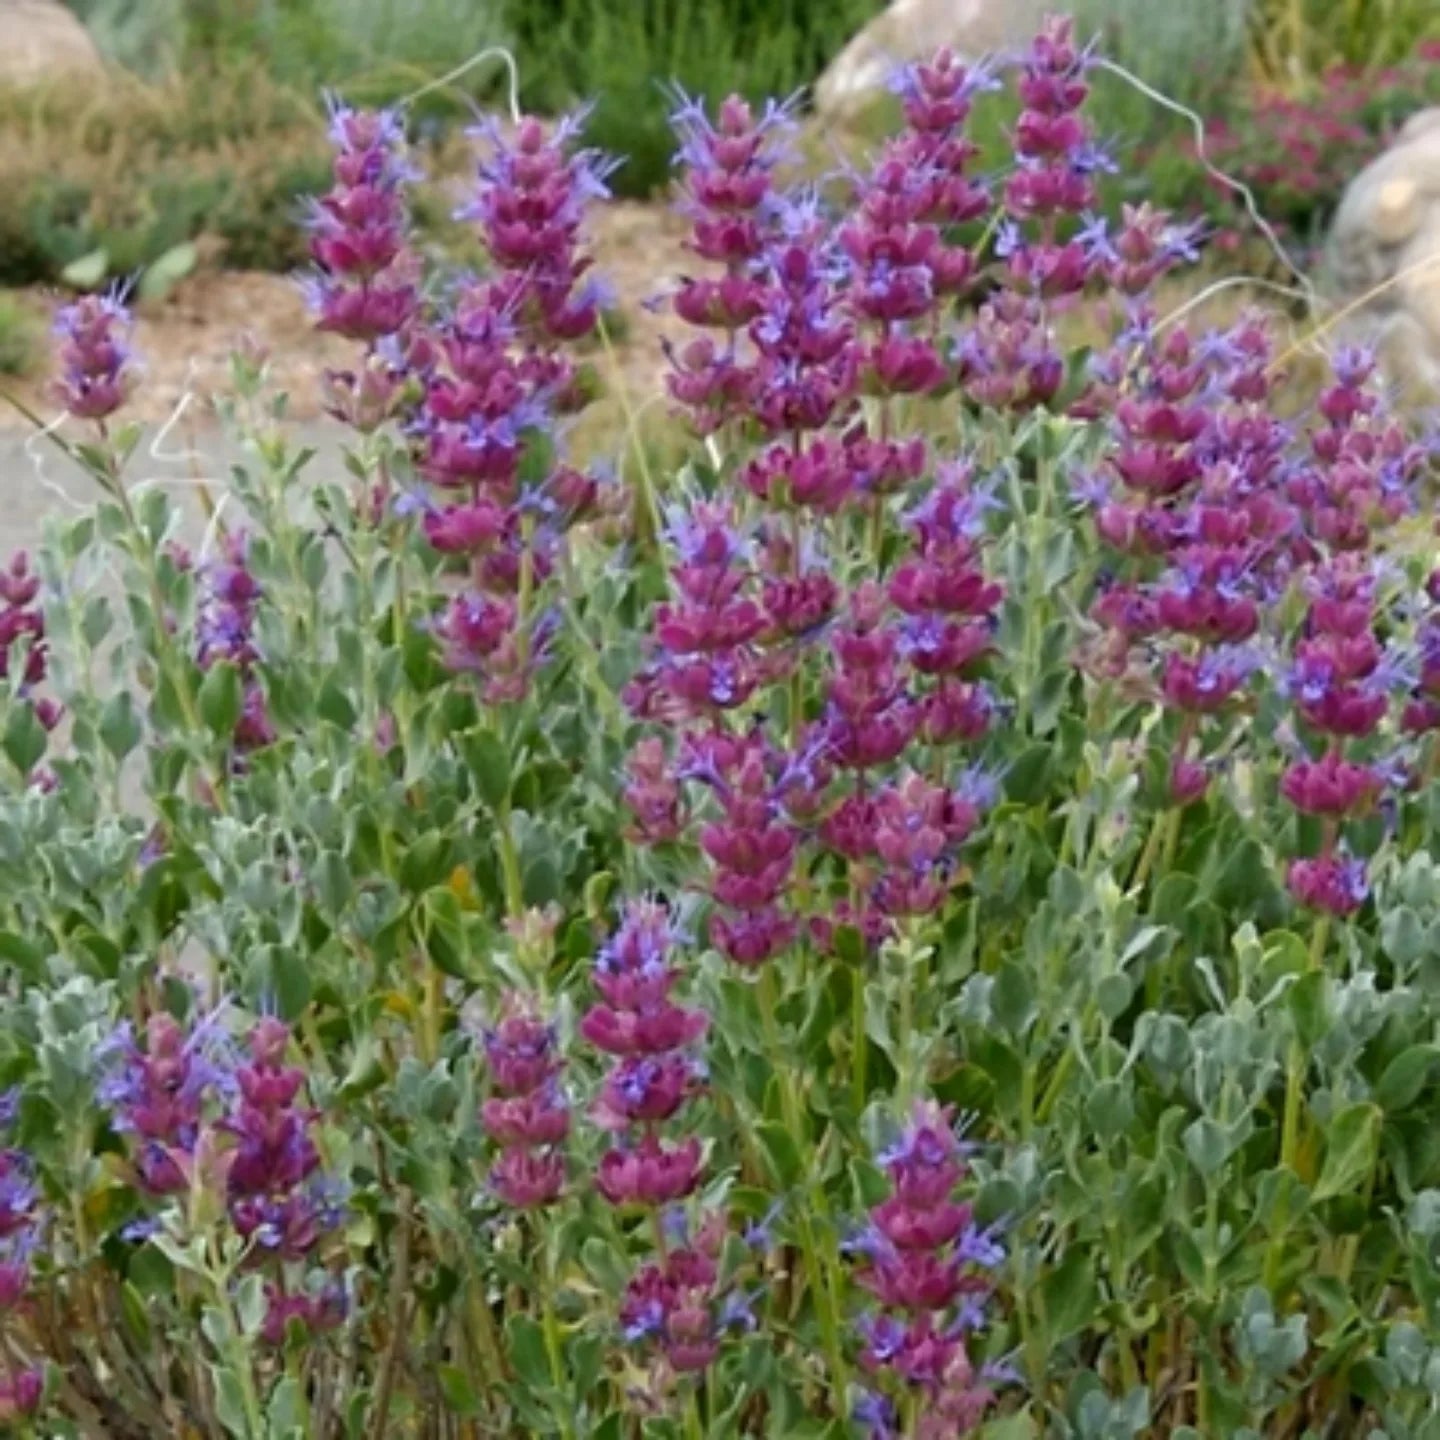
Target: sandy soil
185	340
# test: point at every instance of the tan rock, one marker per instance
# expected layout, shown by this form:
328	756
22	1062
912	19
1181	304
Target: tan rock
914	30
1384	253
43	41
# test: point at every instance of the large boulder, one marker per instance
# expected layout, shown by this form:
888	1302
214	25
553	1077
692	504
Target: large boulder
914	30
40	40
1383	254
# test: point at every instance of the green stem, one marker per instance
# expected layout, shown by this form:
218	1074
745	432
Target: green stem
166	656
1212	1240
431	1011
694	1428
526	590
1064	1066
482	1322
1350	1245
822	1274
1129	1370
510	866
1295	1069
1147	855
859	1041
877	531
399	1321
553	1347
905	1090
1294	1084
910	1410
236	1351
1172	841
647	512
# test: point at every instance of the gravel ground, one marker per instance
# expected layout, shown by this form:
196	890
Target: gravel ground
38	481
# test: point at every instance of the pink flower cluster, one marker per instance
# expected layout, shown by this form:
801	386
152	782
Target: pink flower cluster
1341	688
1191	501
478	379
24	659
528	1116
367	287
97	370
1358	477
820	317
22	1385
925	1262
654	1070
675	1308
493	383
225	631
1422	712
198	1112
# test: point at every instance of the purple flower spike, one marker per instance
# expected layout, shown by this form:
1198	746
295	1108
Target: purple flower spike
534	193
366	287
528	1117
673	1308
97	371
925	1261
654	1072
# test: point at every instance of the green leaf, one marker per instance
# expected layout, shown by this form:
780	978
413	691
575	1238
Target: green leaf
88	272
184	1257
120	728
285	1412
221	696
1403	936
137	1316
165	273
366	1072
1012	998
1027	778
526	1343
1352	1141
425	862
24	738
1308	1001
444	929
603	1265
331	878
1113	995
1405	1076
285	981
24	955
250	1305
1109	1109
1209	1144
1069	1295
459	1394
781	1151
335	706
489	763
230	1402
849	945
1018	1426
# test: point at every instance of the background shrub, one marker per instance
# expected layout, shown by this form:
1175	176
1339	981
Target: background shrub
628	58
1325	85
153	166
19	337
1297	43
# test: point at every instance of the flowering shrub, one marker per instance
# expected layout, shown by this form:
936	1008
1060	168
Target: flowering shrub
920	923
1298	153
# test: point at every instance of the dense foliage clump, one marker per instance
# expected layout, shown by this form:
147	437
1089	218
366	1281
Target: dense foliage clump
917	922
